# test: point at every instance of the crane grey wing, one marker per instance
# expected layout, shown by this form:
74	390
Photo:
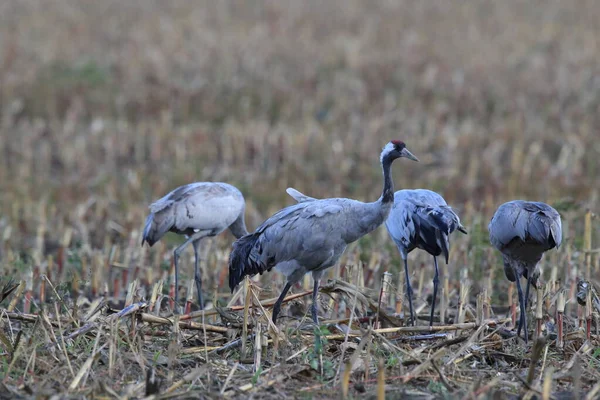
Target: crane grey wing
299	196
415	223
544	225
197	206
506	224
530	222
301	232
400	224
200	191
423	196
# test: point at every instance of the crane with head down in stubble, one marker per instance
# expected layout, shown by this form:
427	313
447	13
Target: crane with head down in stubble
310	236
523	231
197	210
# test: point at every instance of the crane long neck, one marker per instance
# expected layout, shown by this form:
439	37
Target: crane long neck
387	196
238	228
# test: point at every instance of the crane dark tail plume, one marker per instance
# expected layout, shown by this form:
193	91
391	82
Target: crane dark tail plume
240	261
147	228
444	243
442	221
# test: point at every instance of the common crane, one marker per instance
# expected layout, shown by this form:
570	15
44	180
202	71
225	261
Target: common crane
523	231
310	236
196	210
421	219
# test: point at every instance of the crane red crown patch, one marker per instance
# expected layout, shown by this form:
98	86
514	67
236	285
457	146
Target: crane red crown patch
398	142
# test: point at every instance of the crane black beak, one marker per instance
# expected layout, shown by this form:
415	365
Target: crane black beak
408	154
462	229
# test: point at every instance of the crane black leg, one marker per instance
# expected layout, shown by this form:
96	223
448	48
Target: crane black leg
197	274
436	282
176	253
409	293
313	309
523	319
277	305
527	289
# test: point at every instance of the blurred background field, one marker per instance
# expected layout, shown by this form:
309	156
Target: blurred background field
106	106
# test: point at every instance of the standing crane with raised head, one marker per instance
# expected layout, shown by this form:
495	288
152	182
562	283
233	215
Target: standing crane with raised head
421	219
523	231
196	210
310	236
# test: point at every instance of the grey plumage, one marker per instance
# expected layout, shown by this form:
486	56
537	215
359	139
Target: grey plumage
298	196
310	236
196	210
523	231
421	219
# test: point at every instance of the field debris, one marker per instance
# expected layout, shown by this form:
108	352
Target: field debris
157	348
106	105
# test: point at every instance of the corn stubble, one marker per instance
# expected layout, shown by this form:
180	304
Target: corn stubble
92	131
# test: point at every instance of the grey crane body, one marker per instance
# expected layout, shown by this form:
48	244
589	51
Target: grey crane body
421	219
523	231
310	236
196	210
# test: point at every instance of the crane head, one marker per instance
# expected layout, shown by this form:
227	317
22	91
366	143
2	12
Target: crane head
396	149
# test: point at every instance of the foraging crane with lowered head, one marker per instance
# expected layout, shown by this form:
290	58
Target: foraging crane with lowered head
523	231
310	236
421	219
196	210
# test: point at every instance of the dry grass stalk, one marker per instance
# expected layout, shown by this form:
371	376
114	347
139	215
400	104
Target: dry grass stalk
154	303
257	348
486	304
553	285
201	327
593	393
444	299
28	292
386	282
415	373
381	380
560	311
479	309
85	368
547	386
62	339
435	328
587	244
464	347
229	376
190	297
66	308
588	314
539	315
192	376
130	292
247	304
356	272
16	297
264	303
346	380
267	315
420	286
172	287
400	293
576	373
512	304
536	353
